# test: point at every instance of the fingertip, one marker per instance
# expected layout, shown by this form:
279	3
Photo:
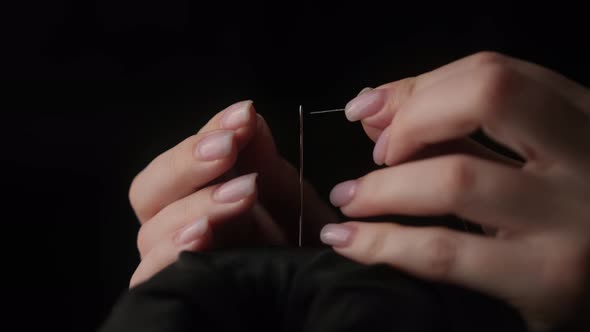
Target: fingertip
167	253
241	118
237	115
365	105
236	189
135	280
197	244
192	232
381	147
338	235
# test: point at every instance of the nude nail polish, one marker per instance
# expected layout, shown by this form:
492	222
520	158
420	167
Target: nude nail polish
236	189
215	146
237	115
337	235
343	193
193	231
365	104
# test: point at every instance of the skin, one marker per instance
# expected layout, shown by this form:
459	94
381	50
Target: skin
178	188
538	256
535	255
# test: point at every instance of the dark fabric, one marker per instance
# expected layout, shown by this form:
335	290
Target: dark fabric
299	290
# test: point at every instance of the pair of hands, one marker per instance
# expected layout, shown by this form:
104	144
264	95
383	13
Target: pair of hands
536	253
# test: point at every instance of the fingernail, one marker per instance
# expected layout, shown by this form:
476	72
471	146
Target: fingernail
193	231
367	89
337	235
215	146
365	104
236	189
381	146
343	193
237	115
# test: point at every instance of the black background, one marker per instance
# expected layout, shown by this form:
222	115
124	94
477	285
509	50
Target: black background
94	90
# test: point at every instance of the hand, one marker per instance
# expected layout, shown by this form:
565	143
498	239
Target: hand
190	197
538	258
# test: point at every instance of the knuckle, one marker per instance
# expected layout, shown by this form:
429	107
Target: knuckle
460	180
439	253
403	90
496	83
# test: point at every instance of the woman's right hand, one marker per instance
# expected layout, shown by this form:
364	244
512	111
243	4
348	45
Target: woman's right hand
224	186
538	257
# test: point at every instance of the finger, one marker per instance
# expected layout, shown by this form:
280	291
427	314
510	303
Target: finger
459	146
194	162
571	91
278	188
398	92
515	111
375	120
195	238
481	191
465	147
497	267
219	203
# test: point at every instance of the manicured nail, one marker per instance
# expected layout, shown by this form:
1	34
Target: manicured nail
237	115
337	235
215	146
343	193
193	231
380	149
236	189
367	89
365	104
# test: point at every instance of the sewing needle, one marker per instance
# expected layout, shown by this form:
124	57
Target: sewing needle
328	111
300	173
301	166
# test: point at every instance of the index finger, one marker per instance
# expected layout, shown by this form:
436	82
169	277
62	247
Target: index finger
400	91
527	117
